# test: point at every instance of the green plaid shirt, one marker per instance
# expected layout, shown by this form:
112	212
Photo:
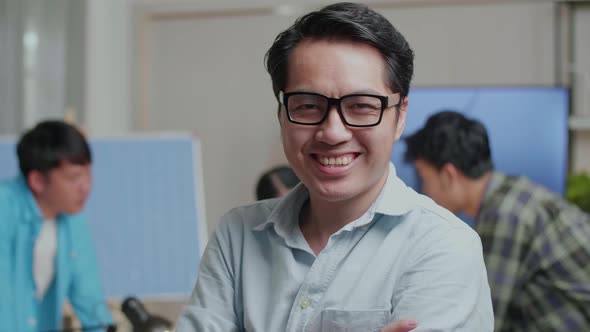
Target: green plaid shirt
537	252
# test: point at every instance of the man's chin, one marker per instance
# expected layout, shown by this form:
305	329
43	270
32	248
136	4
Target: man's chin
334	192
75	210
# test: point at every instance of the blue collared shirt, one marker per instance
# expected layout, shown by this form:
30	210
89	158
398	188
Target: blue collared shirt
76	271
406	257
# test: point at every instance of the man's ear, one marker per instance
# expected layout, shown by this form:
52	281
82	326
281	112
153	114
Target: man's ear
449	174
400	124
280	110
36	181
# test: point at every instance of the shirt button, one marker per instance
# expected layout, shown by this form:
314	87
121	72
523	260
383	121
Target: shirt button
305	304
32	321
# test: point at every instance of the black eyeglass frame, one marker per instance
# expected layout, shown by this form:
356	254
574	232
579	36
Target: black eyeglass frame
284	98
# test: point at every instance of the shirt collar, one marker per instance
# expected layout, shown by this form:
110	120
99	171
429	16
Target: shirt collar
285	215
493	183
395	199
32	210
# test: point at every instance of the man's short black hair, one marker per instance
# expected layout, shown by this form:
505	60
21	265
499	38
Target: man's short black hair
265	188
348	22
49	144
450	137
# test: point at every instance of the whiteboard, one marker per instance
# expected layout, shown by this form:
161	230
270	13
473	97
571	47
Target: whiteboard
145	212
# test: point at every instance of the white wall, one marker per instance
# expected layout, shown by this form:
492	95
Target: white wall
11	16
108	63
581	92
111	60
41	55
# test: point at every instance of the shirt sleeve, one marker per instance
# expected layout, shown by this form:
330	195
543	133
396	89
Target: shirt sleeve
7	295
444	286
557	275
212	306
85	291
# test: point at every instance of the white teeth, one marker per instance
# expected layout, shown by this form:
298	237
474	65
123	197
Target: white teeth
339	161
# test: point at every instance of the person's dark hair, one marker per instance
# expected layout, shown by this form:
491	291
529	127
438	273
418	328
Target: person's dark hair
450	137
266	188
50	143
350	22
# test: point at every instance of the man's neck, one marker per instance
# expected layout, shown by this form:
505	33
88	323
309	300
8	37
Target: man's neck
46	211
476	190
320	219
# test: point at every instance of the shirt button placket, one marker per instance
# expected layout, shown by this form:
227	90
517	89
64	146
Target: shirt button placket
305	303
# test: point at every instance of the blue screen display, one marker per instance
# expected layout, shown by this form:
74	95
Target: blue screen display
528	128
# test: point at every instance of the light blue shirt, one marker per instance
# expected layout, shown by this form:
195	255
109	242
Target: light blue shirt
76	272
406	257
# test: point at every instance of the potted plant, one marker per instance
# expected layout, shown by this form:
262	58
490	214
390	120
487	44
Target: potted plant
578	190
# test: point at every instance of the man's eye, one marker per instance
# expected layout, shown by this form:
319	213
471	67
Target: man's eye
304	107
363	106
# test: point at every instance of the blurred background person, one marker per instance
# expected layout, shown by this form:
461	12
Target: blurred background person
276	182
46	253
536	244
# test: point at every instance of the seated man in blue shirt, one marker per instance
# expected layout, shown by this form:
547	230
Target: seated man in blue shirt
351	248
46	254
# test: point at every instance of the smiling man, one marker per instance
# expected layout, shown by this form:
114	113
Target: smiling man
46	253
352	248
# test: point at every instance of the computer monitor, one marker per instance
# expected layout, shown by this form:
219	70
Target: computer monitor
528	128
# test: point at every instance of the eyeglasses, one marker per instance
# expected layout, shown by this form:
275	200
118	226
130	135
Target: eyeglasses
356	110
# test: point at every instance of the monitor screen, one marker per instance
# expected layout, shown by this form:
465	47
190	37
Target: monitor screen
527	126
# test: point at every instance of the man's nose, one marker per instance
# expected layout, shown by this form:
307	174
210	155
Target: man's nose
334	130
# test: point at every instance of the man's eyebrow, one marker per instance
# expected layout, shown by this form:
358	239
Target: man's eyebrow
365	91
355	92
302	91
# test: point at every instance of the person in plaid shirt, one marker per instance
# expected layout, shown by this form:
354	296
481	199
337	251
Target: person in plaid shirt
536	245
